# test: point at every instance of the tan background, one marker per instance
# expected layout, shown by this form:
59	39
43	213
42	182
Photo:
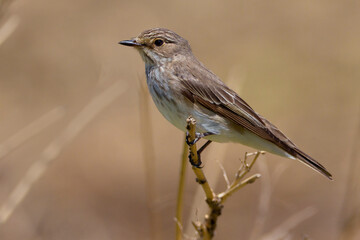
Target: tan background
297	63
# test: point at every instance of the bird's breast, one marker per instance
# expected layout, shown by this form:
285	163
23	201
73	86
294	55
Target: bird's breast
169	102
176	108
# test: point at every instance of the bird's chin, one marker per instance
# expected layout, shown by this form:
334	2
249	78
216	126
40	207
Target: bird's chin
145	57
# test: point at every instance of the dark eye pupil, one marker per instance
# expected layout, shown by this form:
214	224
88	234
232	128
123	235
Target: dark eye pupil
159	42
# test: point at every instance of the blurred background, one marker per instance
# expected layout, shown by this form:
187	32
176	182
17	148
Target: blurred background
75	131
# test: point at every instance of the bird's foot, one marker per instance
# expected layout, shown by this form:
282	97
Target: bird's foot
198	164
193	163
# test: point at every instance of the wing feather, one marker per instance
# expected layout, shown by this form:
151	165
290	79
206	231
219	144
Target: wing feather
217	97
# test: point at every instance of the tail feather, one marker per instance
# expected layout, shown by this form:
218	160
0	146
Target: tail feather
309	161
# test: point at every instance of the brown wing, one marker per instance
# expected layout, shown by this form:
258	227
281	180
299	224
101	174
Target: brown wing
217	97
201	86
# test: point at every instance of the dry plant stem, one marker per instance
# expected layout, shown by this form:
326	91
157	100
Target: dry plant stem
201	179
37	169
283	229
180	195
31	130
8	28
216	154
205	231
215	202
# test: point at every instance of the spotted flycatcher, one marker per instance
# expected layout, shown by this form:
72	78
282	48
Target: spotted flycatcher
181	86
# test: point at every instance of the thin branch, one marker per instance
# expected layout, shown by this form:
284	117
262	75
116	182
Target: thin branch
245	168
226	178
180	195
224	195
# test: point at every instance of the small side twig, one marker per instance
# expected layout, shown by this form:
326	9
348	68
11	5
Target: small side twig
230	191
226	178
240	174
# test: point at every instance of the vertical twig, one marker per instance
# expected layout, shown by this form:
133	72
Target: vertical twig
201	179
206	230
180	195
216	152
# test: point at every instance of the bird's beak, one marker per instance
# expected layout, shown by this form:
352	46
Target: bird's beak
131	43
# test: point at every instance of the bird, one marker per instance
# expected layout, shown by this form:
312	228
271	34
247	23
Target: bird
181	86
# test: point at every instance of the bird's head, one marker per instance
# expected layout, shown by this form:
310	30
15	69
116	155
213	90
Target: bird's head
159	45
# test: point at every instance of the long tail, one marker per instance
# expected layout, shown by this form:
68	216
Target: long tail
309	161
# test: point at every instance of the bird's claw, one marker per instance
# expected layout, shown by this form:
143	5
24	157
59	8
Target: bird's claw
191	160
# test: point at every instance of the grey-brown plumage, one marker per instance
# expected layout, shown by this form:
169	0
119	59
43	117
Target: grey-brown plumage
181	86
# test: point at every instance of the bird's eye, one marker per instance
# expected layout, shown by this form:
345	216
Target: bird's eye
159	42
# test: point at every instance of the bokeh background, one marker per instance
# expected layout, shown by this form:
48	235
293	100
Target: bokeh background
75	130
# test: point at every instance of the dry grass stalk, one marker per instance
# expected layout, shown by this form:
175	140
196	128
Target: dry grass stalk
31	130
37	169
180	194
8	28
284	228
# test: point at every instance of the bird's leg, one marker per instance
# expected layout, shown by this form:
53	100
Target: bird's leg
203	147
198	137
199	155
